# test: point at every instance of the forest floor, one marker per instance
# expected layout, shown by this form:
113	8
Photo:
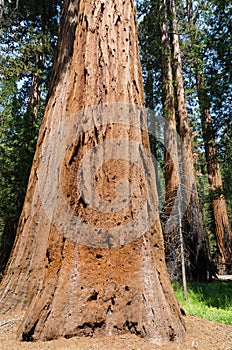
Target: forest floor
201	334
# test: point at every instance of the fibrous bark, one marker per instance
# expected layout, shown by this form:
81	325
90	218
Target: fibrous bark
79	268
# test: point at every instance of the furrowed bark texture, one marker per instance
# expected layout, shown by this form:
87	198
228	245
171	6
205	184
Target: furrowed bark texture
70	288
194	233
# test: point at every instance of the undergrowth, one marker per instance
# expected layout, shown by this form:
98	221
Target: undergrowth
211	301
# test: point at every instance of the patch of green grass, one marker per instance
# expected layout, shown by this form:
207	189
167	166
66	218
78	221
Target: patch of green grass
211	301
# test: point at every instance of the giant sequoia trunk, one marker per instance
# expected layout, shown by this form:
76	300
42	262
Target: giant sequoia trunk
194	233
88	258
223	231
171	238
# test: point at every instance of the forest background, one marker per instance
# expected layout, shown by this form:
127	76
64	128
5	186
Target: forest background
28	35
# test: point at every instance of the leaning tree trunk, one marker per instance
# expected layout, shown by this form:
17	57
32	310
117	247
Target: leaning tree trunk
223	231
194	233
171	162
89	258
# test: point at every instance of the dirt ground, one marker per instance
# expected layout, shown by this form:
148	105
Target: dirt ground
201	334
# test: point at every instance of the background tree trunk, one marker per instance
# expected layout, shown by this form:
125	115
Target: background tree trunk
72	284
2	4
223	231
221	220
194	233
171	240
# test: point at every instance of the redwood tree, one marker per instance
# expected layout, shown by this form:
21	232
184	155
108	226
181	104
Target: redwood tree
171	161
223	231
89	259
195	235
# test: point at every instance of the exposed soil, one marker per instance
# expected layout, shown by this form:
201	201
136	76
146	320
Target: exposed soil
201	334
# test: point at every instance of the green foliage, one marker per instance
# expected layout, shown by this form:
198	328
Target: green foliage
206	42
219	74
28	36
150	49
211	301
27	40
17	143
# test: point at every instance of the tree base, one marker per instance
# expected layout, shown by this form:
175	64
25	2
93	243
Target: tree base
107	292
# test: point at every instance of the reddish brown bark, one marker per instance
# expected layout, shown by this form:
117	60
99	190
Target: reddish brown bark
72	284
